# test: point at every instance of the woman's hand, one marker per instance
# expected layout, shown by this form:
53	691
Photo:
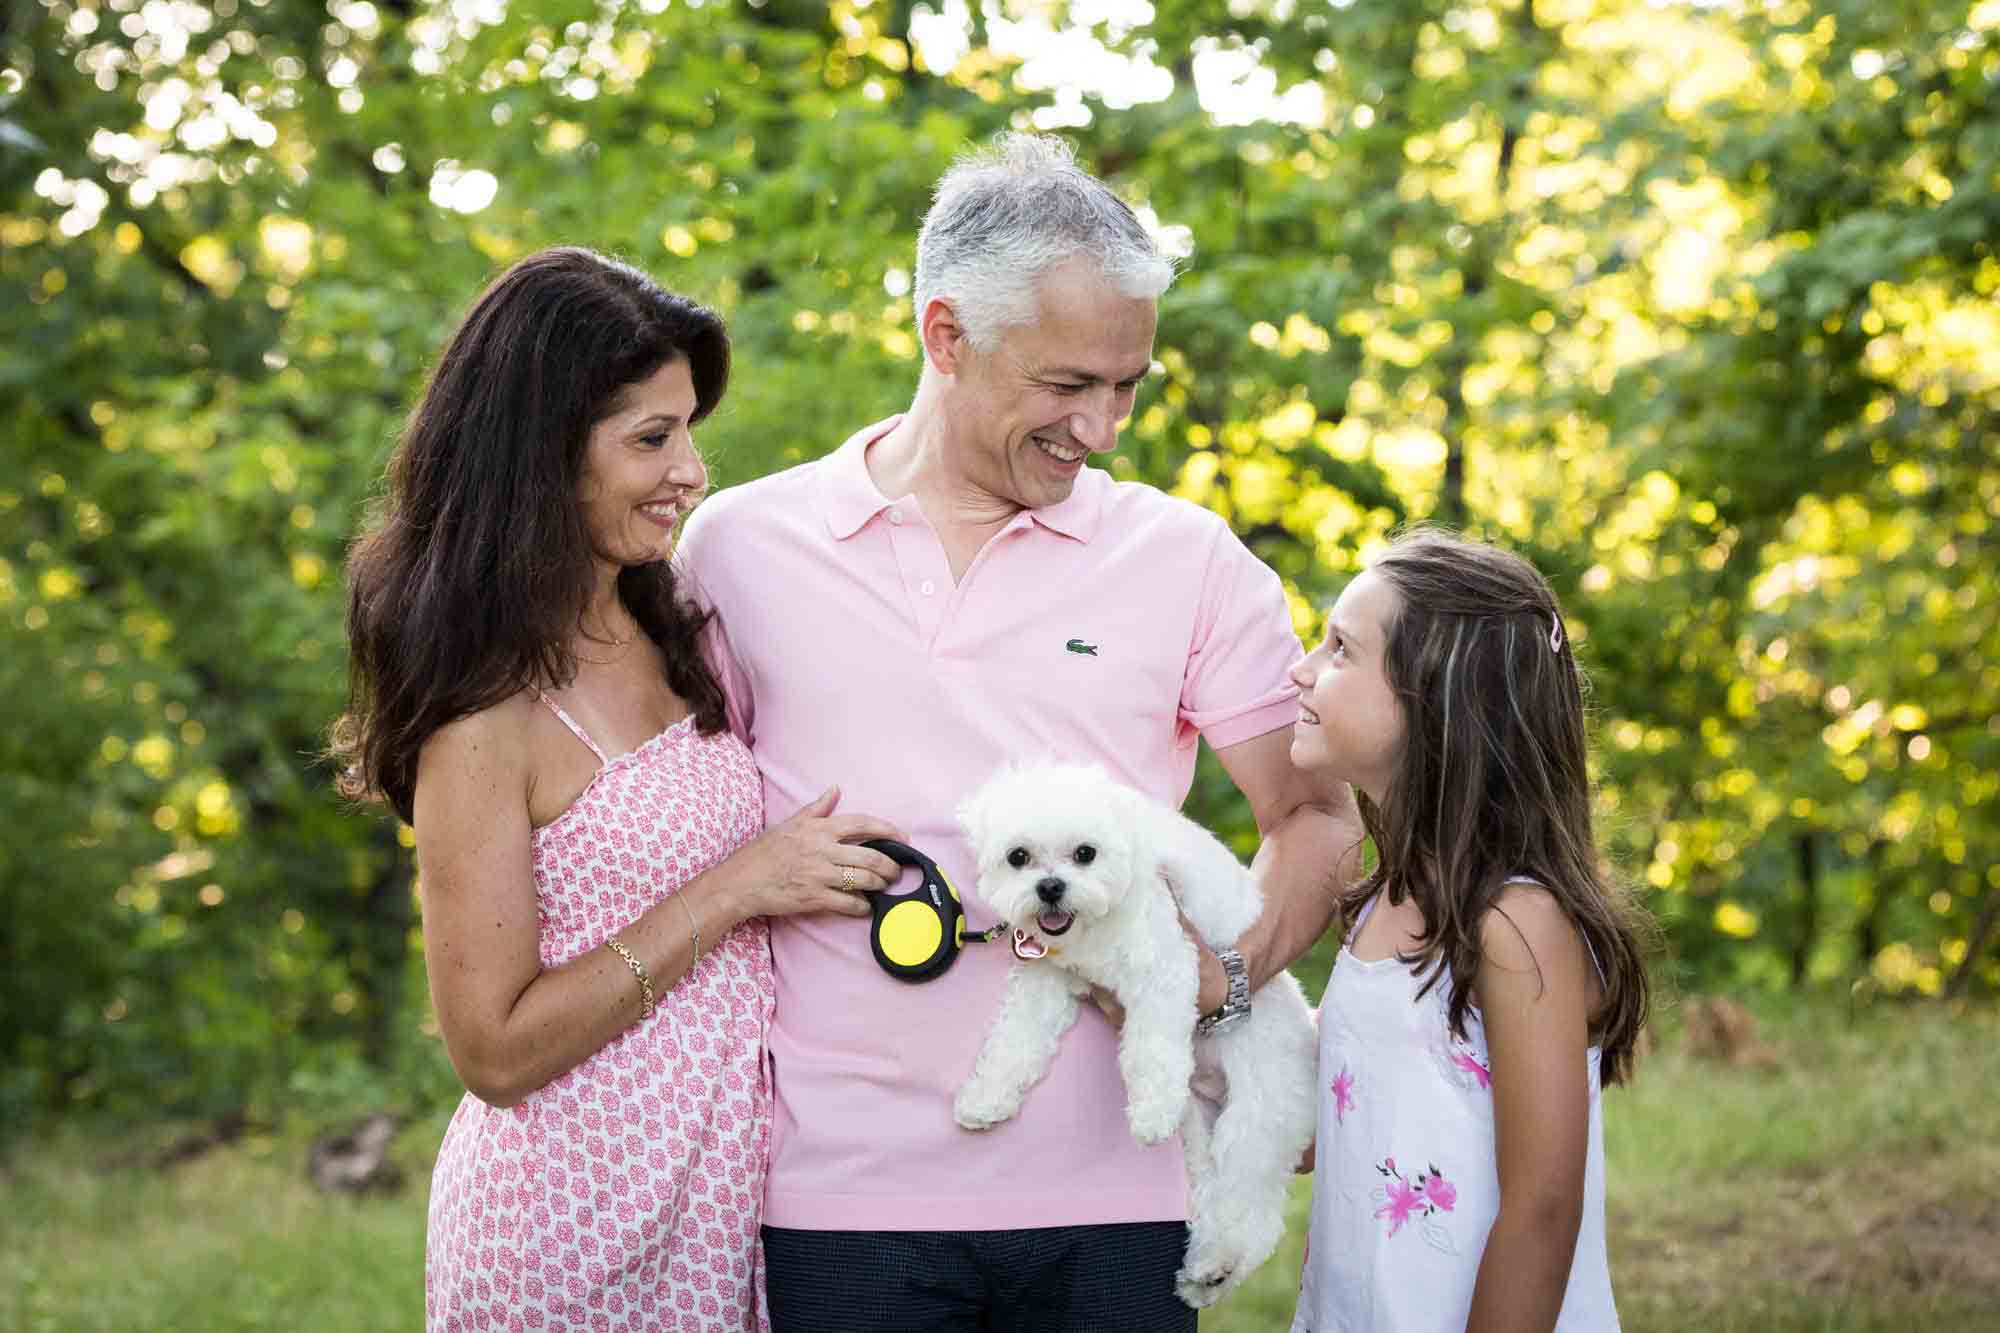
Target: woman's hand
812	863
510	1025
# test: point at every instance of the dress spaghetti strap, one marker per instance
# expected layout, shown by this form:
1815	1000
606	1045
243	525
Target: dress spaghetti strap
1589	948
1602	980
570	722
1361	918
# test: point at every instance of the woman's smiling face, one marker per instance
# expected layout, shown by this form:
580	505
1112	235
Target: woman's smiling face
641	473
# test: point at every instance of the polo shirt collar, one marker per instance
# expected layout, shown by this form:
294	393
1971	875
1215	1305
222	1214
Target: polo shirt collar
849	498
847	494
1077	516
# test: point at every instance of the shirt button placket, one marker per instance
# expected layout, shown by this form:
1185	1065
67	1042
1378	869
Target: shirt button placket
921	557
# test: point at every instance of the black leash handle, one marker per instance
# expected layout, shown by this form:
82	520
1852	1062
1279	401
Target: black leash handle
916	936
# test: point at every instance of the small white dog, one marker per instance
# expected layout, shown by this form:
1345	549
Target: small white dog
1093	879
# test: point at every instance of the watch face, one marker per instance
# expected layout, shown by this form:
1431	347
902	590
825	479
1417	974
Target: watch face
1222	1018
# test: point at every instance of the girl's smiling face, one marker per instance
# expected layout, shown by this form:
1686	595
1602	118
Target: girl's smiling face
1350	723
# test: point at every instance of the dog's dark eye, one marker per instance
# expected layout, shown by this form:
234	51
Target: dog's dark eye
1018	857
1085	854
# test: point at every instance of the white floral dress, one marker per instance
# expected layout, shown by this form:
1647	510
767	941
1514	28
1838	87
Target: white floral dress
1405	1185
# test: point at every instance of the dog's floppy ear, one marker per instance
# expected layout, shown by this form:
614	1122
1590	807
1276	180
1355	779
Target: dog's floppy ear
1134	810
972	817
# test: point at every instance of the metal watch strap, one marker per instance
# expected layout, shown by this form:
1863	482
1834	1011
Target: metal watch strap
1236	1001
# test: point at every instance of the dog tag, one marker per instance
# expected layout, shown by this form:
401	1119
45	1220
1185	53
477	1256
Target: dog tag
1027	948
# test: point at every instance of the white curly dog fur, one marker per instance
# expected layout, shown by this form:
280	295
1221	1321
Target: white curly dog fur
1089	874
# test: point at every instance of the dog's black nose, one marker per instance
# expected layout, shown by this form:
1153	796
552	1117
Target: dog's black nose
1049	889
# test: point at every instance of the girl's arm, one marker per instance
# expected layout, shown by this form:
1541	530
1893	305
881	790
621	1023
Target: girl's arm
510	1026
1534	993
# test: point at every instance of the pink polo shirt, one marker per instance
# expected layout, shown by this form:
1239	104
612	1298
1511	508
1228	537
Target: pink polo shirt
1114	627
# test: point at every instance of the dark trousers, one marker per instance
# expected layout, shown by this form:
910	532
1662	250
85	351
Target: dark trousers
1116	1278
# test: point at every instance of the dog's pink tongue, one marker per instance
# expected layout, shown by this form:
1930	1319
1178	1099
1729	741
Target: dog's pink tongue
1027	947
1054	923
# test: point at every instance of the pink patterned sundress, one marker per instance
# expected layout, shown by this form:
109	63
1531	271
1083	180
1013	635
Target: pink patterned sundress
625	1195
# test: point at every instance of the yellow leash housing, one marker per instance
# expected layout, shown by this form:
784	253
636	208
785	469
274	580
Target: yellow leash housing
917	935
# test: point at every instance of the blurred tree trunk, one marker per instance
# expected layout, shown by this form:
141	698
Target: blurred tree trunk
1975	945
1478	271
1807	848
383	949
1868	930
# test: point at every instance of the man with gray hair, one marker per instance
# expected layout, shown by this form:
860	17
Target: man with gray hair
949	591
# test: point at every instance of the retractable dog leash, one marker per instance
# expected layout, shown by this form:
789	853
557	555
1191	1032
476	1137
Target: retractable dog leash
917	935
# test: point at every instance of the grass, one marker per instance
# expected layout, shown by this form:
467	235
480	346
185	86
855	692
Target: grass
1847	1189
234	1240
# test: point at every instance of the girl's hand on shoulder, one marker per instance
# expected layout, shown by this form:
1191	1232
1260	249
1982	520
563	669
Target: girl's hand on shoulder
813	862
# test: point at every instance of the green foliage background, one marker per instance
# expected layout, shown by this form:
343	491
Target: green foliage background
1690	303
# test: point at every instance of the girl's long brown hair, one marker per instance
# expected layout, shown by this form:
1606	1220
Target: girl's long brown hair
478	566
1494	782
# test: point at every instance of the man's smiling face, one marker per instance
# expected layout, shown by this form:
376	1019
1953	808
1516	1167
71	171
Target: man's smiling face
1027	411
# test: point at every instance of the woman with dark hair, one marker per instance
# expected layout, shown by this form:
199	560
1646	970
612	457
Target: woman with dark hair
532	694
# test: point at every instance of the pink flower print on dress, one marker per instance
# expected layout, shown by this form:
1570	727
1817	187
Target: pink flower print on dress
1343	1094
1402	1200
1469	1062
1422	1198
1463	1064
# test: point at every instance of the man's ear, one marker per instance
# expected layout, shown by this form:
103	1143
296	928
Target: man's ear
943	335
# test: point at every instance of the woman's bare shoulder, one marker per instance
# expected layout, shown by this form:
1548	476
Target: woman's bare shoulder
493	741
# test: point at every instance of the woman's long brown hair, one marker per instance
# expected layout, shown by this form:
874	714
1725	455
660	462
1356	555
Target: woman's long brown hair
1494	782
478	568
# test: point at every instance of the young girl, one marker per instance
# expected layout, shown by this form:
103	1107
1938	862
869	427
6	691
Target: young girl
1490	978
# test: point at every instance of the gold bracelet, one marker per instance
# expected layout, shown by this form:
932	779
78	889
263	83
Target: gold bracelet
694	926
639	971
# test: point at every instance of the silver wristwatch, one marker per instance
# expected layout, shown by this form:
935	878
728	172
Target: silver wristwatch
1236	1003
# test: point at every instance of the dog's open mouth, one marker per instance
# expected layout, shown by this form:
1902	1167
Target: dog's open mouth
1028	945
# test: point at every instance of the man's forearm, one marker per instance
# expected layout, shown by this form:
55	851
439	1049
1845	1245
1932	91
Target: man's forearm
1302	867
1304	862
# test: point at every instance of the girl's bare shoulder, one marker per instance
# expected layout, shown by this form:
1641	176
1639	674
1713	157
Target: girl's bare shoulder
1527	929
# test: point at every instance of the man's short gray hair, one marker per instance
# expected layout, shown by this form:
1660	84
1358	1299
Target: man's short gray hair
1006	214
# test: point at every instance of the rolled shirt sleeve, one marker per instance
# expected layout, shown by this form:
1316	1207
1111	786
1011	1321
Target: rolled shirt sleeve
1238	682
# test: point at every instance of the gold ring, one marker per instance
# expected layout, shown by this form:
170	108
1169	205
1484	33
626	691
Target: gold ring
847	878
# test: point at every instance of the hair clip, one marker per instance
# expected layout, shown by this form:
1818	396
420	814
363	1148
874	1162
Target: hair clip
1555	633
